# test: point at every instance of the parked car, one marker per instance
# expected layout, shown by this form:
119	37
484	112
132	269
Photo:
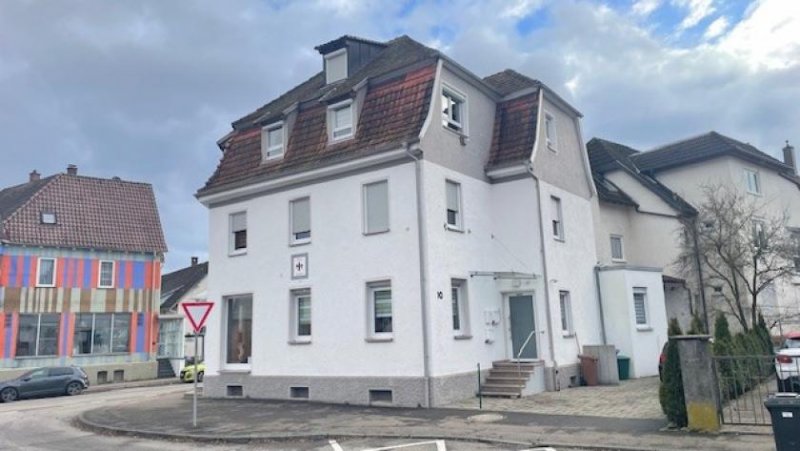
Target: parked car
59	380
787	364
187	373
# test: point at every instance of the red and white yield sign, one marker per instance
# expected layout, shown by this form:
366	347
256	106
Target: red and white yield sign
197	313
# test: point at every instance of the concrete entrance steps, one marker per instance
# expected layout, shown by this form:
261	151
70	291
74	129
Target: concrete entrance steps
509	379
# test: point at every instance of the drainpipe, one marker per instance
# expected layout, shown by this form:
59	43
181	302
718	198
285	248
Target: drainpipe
423	270
600	304
551	341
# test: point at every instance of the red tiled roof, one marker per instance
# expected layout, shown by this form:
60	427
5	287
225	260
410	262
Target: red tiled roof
91	213
514	131
393	111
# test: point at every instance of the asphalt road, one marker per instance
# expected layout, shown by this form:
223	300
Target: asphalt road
46	424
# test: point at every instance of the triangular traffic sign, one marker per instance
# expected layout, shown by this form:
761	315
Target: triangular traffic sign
197	313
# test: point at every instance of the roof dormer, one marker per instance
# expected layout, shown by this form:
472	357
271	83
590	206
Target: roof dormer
344	56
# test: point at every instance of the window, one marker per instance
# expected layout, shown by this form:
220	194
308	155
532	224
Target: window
341	121
550	131
102	333
458	301
336	66
566	312
376	207
47	272
640	305
753	181
106	276
616	248
558	221
38	335
272	141
453	110
380	301
759	234
453	195
238	235
301	315
300	221
170	338
239	329
48	217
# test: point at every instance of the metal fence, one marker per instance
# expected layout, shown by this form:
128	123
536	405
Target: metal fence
744	382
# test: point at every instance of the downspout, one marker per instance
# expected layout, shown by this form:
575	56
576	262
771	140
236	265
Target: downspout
550	340
423	271
600	304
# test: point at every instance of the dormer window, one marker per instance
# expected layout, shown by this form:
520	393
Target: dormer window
340	121
453	109
272	141
336	66
48	217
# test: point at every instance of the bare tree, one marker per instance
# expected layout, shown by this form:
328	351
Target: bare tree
742	249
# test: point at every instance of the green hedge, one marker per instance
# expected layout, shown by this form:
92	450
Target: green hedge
670	392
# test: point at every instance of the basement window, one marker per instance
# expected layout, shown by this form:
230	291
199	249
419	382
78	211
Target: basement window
298	392
380	396
236	391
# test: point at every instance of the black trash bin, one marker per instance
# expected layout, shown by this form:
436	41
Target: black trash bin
784	408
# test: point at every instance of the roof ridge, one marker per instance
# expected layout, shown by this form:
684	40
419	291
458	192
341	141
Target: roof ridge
33	196
678	141
185	268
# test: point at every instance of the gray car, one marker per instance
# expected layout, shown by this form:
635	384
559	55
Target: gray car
57	380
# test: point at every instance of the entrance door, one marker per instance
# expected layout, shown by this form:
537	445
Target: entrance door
520	307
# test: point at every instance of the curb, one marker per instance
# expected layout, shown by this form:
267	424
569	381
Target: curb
142	384
84	423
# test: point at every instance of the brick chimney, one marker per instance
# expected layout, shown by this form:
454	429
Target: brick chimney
72	169
789	156
34	176
194	261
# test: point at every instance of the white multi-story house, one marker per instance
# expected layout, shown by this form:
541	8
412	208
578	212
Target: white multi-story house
383	228
643	196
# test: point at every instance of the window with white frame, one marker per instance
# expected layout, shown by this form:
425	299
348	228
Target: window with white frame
105	277
753	181
300	221
301	315
759	234
453	207
336	66
340	119
458	301
238	233
170	337
102	333
550	131
46	272
379	297
617	251
376	207
453	110
272	141
566	312
238	329
38	335
640	305
48	217
557	218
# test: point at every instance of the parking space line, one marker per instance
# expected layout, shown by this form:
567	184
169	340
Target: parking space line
440	446
335	445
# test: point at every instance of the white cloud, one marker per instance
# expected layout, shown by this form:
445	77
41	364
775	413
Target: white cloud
645	7
697	11
717	28
520	8
769	37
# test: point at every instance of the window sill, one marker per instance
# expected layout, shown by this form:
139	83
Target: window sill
568	334
559	239
234	371
552	148
380	232
644	329
300	243
453	228
458	132
379	339
299	341
104	354
35	357
617	260
237	253
462	337
45	286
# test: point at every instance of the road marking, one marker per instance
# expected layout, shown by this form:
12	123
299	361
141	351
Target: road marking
440	446
335	445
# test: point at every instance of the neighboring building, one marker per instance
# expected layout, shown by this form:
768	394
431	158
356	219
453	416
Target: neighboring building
384	227
80	264
643	196
175	336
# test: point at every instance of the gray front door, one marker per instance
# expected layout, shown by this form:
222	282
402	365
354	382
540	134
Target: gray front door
521	313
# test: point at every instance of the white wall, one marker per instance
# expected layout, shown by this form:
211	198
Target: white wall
341	261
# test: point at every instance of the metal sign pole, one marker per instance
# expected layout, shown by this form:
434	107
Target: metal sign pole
196	373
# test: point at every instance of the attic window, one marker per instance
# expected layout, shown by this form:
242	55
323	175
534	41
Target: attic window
336	66
453	109
272	141
340	121
48	217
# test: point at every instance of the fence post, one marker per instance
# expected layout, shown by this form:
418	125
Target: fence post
699	382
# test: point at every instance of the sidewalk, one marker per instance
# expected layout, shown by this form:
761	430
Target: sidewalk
135	384
240	421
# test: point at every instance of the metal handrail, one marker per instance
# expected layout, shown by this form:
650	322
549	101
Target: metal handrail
522	348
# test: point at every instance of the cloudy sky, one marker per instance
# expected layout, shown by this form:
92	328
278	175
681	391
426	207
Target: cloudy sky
143	89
